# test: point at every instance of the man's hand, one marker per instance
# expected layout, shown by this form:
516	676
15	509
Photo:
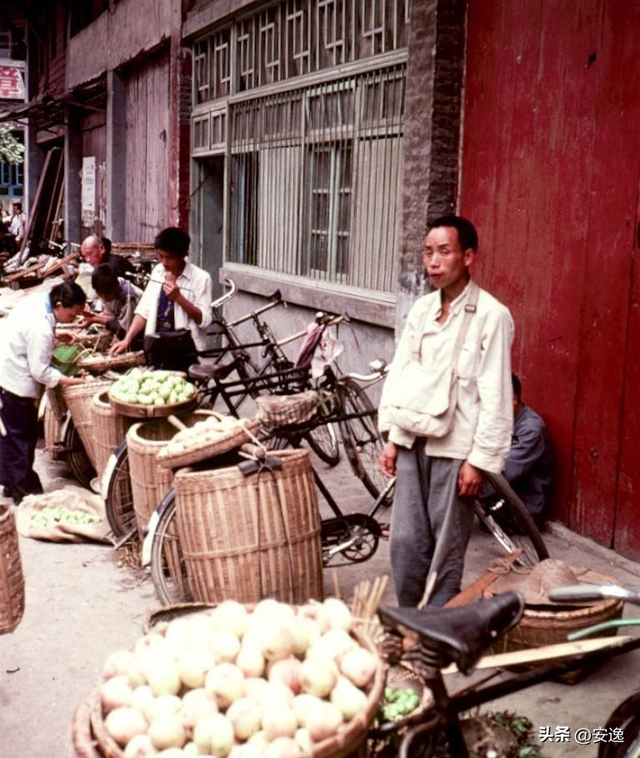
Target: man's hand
170	288
119	346
387	460
65	337
470	480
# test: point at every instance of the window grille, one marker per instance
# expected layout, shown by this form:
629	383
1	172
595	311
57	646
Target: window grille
295	37
314	180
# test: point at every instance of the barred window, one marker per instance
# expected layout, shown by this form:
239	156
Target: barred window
314	180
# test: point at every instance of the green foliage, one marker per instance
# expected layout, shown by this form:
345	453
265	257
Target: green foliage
11	151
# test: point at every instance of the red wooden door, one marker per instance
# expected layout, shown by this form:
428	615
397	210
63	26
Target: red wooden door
550	175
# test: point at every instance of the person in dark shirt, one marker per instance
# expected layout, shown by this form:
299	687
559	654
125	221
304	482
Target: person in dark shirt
529	465
97	250
119	301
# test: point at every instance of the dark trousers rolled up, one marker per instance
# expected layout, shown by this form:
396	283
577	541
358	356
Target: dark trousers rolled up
18	445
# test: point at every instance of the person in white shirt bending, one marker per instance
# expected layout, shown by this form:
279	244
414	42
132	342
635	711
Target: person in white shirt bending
177	298
26	347
447	411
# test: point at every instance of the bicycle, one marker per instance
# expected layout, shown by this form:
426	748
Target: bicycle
461	636
322	440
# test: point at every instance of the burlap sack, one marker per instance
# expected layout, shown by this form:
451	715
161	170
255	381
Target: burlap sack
72	498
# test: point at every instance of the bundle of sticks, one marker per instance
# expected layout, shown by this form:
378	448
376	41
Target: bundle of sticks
364	604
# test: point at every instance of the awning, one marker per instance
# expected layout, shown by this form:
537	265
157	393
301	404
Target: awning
53	109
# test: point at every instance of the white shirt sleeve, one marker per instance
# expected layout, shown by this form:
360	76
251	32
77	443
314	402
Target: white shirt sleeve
39	351
492	437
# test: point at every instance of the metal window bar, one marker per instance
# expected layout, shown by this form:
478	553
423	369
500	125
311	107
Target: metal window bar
315	180
295	37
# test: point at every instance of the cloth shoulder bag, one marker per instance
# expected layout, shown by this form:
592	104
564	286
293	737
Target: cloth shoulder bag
425	397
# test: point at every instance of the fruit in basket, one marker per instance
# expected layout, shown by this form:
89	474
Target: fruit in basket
271	683
206	432
152	388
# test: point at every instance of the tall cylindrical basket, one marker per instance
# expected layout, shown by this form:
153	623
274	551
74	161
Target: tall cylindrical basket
251	537
109	429
11	577
79	400
149	481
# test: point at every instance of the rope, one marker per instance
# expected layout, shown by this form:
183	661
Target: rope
502	566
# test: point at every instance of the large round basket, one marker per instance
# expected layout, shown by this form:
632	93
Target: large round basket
109	429
79	400
346	742
539	628
254	536
149	481
11	577
135	410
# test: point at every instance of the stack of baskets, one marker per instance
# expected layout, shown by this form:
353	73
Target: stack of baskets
11	577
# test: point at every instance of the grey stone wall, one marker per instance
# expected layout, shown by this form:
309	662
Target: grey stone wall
431	135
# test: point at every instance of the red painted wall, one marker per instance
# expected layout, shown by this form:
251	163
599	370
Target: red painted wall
550	173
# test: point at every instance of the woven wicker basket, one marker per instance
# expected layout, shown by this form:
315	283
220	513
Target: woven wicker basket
109	429
226	442
79	400
281	410
84	743
149	481
56	402
345	743
538	628
251	537
11	577
99	363
52	432
133	410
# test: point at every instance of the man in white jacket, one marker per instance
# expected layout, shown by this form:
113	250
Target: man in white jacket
440	475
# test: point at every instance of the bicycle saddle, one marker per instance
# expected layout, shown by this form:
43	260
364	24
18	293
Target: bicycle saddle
211	370
459	635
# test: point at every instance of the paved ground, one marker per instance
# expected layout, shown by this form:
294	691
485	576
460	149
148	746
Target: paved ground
81	607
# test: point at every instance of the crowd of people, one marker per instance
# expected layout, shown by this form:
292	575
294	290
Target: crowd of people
451	408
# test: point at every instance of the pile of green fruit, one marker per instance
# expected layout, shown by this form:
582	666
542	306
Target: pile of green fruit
397	704
152	388
52	515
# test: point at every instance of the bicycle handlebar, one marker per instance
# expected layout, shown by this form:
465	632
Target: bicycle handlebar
227	295
589	593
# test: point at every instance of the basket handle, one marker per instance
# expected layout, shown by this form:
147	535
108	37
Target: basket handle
175	421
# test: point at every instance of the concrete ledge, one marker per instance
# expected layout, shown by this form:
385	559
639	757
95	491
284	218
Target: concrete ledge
588	546
315	295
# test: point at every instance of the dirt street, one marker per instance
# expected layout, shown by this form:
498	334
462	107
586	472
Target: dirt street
81	606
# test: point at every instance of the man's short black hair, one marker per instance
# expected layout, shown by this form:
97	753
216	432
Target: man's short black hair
67	294
517	386
467	234
173	240
104	279
106	242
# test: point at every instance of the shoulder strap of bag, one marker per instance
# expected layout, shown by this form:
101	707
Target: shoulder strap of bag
469	311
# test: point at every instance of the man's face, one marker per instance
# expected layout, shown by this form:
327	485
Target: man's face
173	264
446	263
92	251
64	315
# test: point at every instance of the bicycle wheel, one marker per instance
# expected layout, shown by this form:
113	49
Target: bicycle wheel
77	458
510	523
323	440
626	719
118	495
168	570
362	442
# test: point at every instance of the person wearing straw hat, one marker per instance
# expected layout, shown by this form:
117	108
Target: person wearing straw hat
447	412
176	304
26	347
